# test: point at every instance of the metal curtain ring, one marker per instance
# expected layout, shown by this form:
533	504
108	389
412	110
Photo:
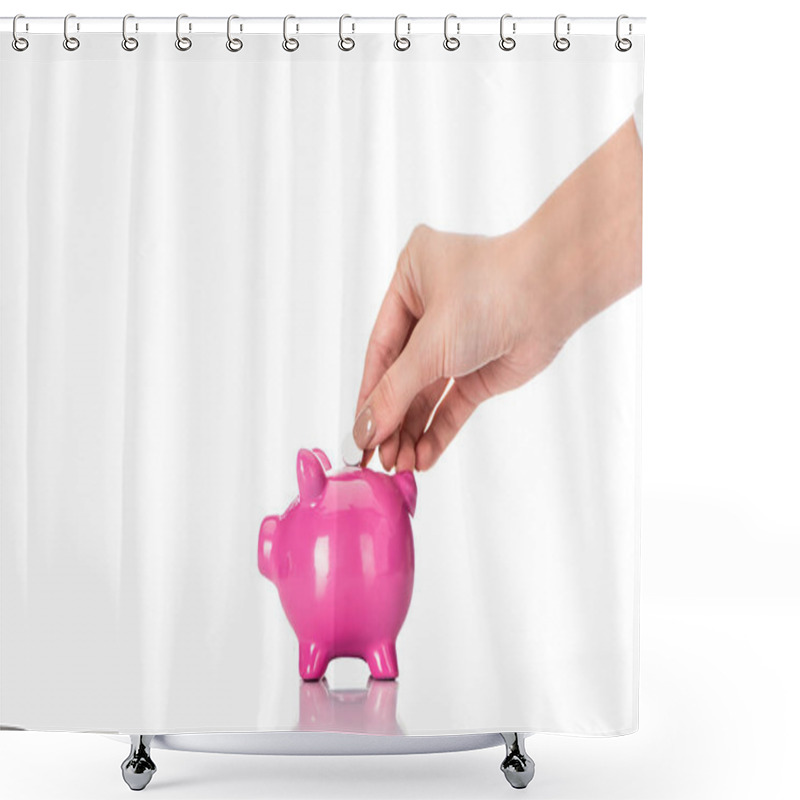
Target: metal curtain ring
233	44
401	42
18	42
129	43
183	43
70	42
450	42
506	42
623	45
290	45
561	43
345	42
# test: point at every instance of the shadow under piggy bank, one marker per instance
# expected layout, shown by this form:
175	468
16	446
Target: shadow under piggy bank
370	710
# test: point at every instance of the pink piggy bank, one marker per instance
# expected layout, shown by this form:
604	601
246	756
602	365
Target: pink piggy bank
342	557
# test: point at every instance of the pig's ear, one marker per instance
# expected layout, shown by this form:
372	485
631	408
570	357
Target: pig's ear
311	478
405	482
324	460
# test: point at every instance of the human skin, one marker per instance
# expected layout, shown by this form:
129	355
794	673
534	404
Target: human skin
469	316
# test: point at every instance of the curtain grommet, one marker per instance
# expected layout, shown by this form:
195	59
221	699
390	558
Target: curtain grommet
346	43
129	43
623	44
234	45
182	43
561	43
451	43
507	42
289	44
19	43
401	43
71	43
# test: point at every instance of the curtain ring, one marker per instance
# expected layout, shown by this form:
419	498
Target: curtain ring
233	44
623	45
401	42
70	42
183	43
450	42
346	43
561	43
506	42
19	43
129	43
289	45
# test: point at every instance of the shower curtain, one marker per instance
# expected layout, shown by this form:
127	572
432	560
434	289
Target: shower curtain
196	243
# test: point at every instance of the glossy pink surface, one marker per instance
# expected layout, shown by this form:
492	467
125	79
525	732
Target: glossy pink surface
342	557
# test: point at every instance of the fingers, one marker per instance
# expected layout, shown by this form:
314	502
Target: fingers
398	450
393	325
365	458
406	457
417	366
388	450
463	397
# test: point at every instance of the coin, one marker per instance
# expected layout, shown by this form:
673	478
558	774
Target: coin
352	454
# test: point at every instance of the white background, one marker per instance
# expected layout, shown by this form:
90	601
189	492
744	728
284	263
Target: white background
721	447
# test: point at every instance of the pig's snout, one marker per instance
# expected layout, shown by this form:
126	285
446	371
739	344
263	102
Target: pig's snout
266	541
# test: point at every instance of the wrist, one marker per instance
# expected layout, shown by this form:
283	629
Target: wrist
543	295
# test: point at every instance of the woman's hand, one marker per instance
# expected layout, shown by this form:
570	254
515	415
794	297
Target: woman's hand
492	312
455	308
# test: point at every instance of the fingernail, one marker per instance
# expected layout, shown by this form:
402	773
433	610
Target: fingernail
364	428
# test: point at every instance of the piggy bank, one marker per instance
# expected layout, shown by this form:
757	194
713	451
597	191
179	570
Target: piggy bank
342	558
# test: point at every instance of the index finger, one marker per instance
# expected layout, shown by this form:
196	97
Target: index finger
391	331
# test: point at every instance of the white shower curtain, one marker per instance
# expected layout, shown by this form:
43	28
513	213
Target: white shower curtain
195	246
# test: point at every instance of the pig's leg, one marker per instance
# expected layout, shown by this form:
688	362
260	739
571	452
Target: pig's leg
382	661
314	660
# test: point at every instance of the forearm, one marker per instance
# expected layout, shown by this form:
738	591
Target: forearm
581	250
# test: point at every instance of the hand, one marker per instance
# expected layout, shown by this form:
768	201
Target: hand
455	307
469	317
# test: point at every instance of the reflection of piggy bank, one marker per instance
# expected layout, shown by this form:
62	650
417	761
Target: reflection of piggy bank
372	710
342	557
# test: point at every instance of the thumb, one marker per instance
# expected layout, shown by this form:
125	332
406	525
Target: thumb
384	410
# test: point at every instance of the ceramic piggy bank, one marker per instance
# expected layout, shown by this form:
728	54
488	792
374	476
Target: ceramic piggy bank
342	557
